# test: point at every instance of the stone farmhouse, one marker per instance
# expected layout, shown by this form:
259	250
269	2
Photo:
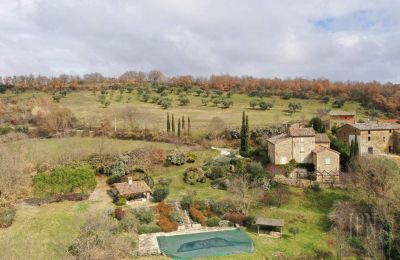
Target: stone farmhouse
372	137
304	146
339	118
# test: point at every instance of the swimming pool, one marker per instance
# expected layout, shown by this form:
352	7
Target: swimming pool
215	243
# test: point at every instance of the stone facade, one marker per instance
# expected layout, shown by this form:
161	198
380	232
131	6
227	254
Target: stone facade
339	118
302	145
373	138
397	141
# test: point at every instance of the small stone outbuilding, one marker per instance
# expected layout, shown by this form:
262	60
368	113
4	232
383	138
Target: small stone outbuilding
133	190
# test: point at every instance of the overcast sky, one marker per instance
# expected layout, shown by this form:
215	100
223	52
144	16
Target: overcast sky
334	39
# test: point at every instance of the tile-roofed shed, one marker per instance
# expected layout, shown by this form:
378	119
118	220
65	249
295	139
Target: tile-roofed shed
342	113
299	132
322	138
375	126
134	188
269	222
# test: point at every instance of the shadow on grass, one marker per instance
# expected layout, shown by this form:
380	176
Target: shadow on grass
322	201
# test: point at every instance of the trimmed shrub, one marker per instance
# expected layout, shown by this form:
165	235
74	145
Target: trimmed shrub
176	158
160	193
7	217
191	157
121	201
148	228
197	216
187	201
167	225
213	222
129	223
113	179
144	215
164	209
193	175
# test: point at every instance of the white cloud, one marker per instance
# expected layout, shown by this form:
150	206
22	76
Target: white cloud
337	39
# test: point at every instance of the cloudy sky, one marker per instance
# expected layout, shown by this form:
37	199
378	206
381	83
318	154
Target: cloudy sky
334	39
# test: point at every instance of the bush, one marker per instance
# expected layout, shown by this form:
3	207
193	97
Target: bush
160	193
256	170
190	157
165	209
176	158
183	100
144	215
5	130
197	216
129	223
213	222
119	213
265	105
22	129
289	167
167	225
193	175
276	197
7	217
217	172
187	201
121	201
64	180
113	179
236	218
148	228
315	187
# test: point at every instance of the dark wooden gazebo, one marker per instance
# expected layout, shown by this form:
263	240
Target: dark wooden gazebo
269	224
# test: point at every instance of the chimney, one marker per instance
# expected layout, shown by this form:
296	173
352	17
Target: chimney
129	180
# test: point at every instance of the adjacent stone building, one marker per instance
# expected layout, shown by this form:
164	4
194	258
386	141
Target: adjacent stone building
373	137
304	146
339	118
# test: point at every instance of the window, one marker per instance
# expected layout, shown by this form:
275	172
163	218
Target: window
369	138
390	149
301	140
327	161
302	149
369	132
283	160
384	138
390	131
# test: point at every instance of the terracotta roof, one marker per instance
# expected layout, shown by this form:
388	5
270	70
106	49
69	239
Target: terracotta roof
320	148
270	222
375	126
342	113
277	138
322	138
136	187
301	131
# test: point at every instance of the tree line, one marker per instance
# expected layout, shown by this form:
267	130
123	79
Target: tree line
371	94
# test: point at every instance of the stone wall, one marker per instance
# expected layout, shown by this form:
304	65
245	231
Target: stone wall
283	151
302	148
319	160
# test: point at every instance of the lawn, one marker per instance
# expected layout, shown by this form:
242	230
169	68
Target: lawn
87	109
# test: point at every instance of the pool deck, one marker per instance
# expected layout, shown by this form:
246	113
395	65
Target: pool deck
148	244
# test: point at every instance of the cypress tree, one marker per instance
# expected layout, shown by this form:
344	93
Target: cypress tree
352	148
356	148
173	124
188	129
168	124
183	122
247	135
179	127
243	133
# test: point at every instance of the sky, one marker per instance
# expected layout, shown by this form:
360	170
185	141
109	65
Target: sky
335	39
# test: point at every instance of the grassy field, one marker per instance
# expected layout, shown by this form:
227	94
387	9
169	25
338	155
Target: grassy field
87	109
63	150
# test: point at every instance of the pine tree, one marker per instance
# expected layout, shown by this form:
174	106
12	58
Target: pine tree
243	133
168	124
183	122
188	122
247	135
179	128
356	148
173	124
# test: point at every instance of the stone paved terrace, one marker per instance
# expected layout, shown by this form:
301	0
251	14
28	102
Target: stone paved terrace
148	244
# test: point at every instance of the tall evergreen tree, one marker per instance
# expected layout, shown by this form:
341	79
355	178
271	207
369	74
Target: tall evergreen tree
173	124
183	122
356	147
188	129
168	124
247	135
243	133
179	128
